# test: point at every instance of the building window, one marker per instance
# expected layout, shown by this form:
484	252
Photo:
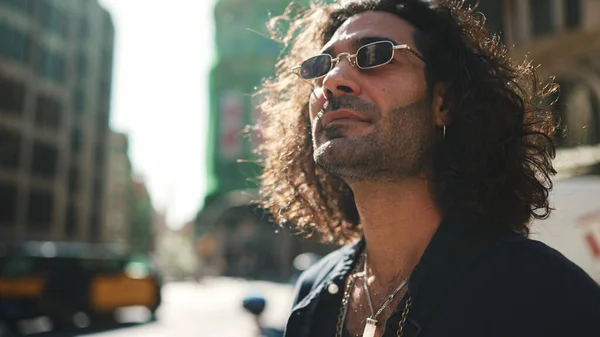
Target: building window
572	11
53	19
51	66
10	149
81	64
79	101
15	44
494	14
41	205
71	222
8	200
48	112
12	96
95	226
97	192
45	159
76	140
542	17
73	180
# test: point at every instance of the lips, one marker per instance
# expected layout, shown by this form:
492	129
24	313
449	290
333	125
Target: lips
342	114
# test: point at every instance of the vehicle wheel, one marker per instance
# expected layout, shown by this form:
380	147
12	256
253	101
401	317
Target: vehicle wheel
62	324
153	317
103	319
8	329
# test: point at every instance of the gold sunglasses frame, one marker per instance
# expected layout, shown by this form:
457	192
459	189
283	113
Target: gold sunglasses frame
352	59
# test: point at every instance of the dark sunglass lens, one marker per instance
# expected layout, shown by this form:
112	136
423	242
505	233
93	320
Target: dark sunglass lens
315	66
374	55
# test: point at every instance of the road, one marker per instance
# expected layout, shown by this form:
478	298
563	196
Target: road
208	309
211	309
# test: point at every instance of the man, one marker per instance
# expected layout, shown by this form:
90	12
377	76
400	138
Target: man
402	129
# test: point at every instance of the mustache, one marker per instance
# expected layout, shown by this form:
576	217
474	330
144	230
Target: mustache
354	103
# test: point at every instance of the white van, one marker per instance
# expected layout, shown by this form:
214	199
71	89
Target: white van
574	226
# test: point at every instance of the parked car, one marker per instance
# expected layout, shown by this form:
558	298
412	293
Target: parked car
74	284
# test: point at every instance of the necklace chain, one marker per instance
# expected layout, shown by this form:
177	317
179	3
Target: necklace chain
346	299
344	307
389	299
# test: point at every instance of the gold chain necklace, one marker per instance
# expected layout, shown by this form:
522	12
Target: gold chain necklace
344	309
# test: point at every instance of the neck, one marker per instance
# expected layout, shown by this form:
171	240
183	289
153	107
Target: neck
399	219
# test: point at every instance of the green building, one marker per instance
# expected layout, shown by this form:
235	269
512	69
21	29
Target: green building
244	55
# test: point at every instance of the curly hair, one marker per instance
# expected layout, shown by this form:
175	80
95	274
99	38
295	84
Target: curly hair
495	162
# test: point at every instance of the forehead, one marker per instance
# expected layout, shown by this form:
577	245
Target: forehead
372	24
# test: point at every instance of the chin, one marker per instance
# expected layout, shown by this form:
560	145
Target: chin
333	148
339	158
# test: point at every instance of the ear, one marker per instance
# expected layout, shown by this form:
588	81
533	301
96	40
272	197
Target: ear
441	114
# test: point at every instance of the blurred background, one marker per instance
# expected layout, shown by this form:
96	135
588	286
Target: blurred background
126	184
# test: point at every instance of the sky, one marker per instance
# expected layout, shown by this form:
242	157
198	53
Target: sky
163	51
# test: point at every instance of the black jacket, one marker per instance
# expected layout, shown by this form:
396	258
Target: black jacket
473	280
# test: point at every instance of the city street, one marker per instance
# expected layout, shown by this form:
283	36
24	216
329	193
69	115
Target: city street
211	309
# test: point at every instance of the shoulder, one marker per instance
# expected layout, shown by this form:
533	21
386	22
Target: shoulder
522	287
536	258
318	273
531	269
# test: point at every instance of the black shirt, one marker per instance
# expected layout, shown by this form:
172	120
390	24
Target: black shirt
473	280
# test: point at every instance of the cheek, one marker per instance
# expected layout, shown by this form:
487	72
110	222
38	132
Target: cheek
399	90
385	95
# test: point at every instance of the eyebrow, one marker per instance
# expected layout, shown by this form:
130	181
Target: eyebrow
357	43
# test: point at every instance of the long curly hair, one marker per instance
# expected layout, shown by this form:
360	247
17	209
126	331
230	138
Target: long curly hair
495	162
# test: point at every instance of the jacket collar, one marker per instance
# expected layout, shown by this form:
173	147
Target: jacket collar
349	256
435	260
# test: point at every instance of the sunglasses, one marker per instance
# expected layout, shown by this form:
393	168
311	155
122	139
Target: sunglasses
369	56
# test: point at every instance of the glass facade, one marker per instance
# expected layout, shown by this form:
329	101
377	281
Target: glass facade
15	43
41	204
8	200
13	96
50	66
53	19
48	112
10	149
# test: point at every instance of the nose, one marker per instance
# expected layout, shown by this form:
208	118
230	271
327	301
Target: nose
341	80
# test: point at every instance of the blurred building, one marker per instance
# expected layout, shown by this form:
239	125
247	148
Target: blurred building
119	191
141	229
160	227
130	221
56	60
562	36
234	238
